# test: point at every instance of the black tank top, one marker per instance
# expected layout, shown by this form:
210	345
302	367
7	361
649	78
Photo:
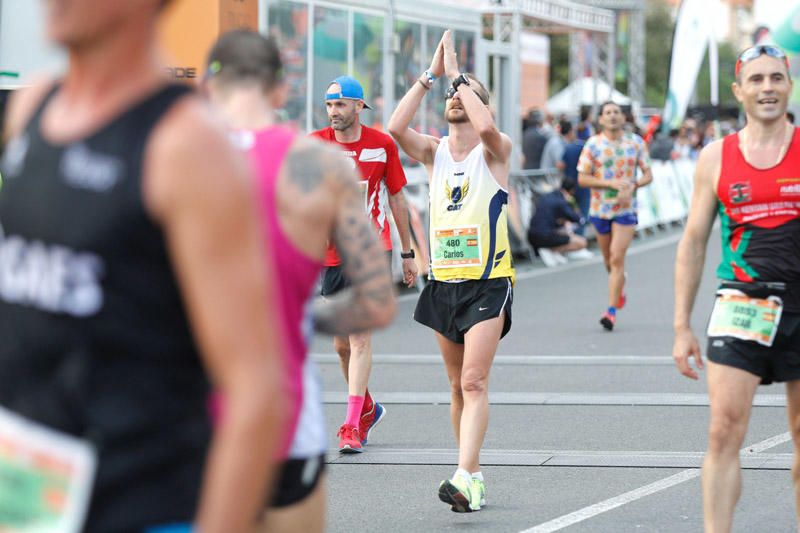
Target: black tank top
94	336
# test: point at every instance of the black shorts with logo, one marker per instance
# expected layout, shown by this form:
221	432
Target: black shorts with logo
297	479
777	363
453	308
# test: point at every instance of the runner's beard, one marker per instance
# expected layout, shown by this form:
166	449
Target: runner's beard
344	123
457	119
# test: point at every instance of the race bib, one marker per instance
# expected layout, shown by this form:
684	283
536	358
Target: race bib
751	319
45	477
457	247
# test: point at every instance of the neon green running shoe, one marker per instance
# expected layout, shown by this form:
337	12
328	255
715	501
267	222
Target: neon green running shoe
457	493
478	490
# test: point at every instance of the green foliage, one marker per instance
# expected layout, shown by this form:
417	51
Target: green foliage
559	62
659	28
727	64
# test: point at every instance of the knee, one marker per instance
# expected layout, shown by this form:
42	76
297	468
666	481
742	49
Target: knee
726	432
474	381
616	261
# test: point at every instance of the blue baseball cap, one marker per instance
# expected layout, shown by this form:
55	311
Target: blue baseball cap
349	88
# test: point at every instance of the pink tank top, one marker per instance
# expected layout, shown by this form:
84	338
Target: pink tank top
294	272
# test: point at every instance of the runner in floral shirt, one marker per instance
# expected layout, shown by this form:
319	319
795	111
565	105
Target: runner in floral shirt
608	166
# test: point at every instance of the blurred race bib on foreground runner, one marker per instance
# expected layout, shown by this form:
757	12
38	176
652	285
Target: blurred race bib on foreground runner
45	477
751	319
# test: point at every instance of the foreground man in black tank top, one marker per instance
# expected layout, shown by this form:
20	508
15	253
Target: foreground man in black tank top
750	179
125	217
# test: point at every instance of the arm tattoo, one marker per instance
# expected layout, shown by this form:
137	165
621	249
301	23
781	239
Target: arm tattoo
364	263
305	165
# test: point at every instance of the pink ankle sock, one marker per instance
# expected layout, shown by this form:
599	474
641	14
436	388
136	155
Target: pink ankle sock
354	406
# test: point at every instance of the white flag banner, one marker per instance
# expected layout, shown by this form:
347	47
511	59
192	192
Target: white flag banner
693	30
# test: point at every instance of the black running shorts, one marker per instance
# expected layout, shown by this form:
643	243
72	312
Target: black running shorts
453	308
297	479
779	362
334	280
548	240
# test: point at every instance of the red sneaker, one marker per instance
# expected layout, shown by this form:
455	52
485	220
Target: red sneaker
365	423
608	320
368	423
349	439
369	403
622	297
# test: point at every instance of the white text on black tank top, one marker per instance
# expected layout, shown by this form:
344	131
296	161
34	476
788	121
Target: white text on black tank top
50	278
14	156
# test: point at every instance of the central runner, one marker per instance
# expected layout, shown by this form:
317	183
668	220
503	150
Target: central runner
383	179
468	300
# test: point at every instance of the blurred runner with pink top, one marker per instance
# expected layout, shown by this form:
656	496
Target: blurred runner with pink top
308	194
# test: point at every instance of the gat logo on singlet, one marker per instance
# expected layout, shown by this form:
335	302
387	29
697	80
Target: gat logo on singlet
456	194
50	278
740	193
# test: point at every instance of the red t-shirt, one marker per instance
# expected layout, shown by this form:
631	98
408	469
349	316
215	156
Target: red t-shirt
376	157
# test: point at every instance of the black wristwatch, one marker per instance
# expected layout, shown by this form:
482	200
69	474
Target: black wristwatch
407	255
460	80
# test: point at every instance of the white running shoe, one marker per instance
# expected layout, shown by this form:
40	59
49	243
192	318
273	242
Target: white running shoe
549	257
580	254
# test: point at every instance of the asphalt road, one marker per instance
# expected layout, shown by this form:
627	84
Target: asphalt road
589	431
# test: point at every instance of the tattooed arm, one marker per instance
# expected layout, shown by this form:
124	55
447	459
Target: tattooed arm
319	171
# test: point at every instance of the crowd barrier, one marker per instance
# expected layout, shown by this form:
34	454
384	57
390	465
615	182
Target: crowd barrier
664	202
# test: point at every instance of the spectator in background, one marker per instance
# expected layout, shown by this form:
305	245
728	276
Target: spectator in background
549	232
569	160
687	140
631	126
710	133
663	146
554	148
588	129
533	140
548	126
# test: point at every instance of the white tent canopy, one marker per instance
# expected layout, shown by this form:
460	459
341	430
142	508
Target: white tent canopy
582	92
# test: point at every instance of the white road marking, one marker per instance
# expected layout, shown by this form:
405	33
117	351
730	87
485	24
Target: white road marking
612	503
556	458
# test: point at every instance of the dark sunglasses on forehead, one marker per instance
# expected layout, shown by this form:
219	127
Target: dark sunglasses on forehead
757	51
451	92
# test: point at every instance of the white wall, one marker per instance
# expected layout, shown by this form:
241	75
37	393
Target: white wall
23	48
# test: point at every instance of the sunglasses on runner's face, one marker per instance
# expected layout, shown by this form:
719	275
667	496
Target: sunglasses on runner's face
757	51
452	92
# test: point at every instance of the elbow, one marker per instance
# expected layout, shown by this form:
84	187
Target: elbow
487	131
582	181
384	315
395	130
379	309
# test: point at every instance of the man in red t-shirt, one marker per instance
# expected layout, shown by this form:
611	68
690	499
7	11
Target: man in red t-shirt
375	155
